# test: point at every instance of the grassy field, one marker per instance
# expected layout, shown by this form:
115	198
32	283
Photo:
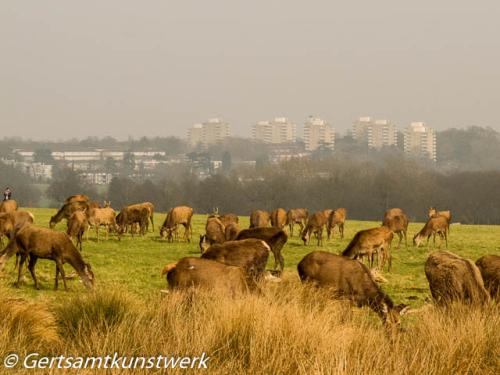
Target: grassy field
135	263
291	329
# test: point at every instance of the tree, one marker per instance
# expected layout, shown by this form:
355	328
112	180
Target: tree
129	161
65	182
44	156
110	165
226	161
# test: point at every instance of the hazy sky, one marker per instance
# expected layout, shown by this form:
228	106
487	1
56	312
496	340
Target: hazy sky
120	68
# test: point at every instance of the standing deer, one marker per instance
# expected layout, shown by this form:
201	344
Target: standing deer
278	218
398	223
446	214
337	218
314	225
435	225
177	216
259	219
370	241
296	216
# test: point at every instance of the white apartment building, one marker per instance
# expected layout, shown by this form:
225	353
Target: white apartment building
278	131
318	132
420	141
208	133
382	133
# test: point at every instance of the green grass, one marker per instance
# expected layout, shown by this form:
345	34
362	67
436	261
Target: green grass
135	264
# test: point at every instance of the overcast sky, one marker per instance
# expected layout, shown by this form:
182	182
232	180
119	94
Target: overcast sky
115	67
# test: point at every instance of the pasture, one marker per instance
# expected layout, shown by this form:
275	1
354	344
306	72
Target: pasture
291	329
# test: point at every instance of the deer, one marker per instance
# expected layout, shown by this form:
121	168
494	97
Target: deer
133	214
369	241
435	225
190	272
446	214
259	219
250	254
296	216
77	198
9	205
44	243
67	210
77	225
489	266
106	216
351	279
398	223
177	216
215	234
453	278
336	218
278	218
314	225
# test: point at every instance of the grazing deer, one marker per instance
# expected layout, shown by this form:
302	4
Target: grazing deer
446	214
314	225
296	216
489	265
8	206
351	279
106	216
133	214
215	233
67	210
44	243
370	241
398	223
435	225
452	278
177	216
337	218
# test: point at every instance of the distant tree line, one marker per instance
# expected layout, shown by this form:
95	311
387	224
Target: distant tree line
366	190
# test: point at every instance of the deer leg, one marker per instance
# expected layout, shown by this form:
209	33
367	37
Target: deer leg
446	238
406	241
87	235
97	227
108	229
61	270
342	230
23	259
152	222
428	238
400	239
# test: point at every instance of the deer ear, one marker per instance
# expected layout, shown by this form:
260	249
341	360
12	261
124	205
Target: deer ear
384	308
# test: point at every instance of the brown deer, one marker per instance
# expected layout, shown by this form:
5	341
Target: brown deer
191	272
446	214
250	254
8	222
259	219
337	218
106	216
133	214
215	233
314	225
77	198
351	279
435	225
227	219
8	206
274	237
452	278
278	218
489	266
369	241
77	226
177	216
296	216
43	243
398	223
67	210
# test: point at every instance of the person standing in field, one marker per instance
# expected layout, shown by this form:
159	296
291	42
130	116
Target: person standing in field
7	194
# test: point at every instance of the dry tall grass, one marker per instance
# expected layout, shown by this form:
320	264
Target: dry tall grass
289	330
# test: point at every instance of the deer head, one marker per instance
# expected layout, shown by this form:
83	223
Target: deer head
432	211
88	277
204	245
391	317
417	239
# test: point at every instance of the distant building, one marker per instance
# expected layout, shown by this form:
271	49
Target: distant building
375	133
420	141
37	171
209	133
96	178
318	132
360	129
382	133
278	131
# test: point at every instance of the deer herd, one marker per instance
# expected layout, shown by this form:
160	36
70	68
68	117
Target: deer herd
236	258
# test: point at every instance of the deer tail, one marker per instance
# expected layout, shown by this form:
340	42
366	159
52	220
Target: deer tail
168	268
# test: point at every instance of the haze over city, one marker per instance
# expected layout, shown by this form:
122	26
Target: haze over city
123	68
